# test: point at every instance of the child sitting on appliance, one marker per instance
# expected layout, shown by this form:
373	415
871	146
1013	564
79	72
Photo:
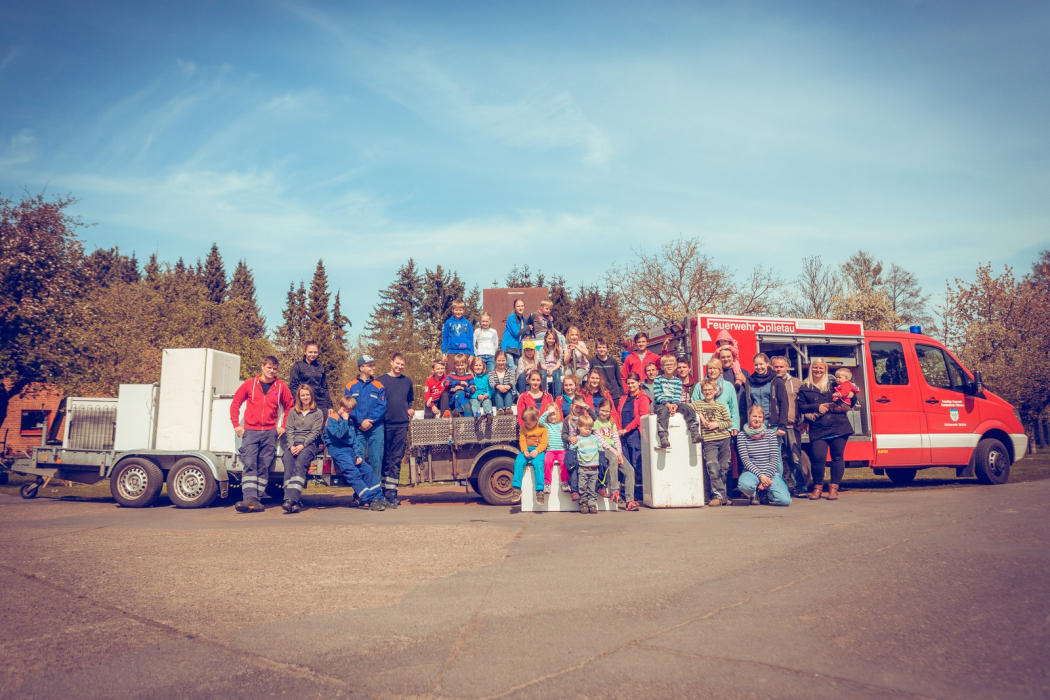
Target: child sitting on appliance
459	386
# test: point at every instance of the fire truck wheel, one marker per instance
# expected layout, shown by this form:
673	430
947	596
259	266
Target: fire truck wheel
191	484
494	481
136	482
991	462
902	476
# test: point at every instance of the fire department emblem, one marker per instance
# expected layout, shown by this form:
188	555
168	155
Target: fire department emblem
954	413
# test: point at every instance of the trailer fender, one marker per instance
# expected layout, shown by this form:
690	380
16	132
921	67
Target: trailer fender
490	452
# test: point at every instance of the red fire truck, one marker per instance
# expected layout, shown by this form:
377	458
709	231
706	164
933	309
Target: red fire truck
920	406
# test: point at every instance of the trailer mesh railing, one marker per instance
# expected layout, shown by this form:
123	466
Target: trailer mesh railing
443	431
92	427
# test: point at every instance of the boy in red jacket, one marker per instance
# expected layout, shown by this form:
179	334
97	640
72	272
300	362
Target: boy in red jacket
264	395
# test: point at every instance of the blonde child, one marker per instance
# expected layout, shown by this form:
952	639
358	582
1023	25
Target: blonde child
502	379
481	401
553	420
532	440
528	362
605	428
459	386
458	332
435	398
844	392
551	357
570	432
715	423
667	397
486	342
576	358
588	449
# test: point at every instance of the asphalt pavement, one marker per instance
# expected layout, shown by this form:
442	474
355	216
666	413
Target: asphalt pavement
921	593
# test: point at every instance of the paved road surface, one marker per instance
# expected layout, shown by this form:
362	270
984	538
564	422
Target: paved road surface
927	593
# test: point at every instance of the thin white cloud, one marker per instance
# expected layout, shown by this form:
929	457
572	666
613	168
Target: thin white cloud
19	149
543	116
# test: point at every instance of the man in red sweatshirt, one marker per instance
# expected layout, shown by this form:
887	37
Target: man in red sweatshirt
264	395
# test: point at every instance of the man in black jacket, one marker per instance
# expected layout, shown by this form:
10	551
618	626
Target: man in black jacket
309	371
400	394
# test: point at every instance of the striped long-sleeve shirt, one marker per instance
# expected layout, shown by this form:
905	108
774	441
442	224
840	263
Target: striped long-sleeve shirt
587	448
554	436
607	430
667	390
757	450
507	376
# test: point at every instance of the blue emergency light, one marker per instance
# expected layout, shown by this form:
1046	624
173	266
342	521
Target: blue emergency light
915	329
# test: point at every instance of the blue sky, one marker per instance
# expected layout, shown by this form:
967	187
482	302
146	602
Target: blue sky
564	135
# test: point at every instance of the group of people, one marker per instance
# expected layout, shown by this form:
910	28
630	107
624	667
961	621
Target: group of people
579	415
366	432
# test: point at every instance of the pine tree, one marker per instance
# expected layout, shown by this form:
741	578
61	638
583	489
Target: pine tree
558	293
318	322
339	322
180	267
242	287
214	275
152	269
394	319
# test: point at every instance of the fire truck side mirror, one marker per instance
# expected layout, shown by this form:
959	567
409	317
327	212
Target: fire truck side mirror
978	382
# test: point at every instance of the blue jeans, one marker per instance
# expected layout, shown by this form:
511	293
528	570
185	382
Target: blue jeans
490	362
778	490
502	399
555	378
523	381
373	442
480	408
519	469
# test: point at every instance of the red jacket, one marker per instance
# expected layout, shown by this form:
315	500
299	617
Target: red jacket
633	363
526	401
433	388
261	411
641	408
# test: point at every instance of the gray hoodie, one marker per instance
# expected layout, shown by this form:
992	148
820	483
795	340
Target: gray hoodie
304	428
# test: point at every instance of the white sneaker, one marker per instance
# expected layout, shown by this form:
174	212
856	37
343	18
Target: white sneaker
565	488
547	488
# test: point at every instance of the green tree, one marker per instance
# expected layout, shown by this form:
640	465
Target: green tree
109	266
214	275
40	282
242	287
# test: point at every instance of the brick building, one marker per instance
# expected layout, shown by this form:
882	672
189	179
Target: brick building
29	416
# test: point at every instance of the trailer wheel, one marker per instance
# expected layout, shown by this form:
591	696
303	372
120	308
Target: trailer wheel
191	484
136	482
902	476
992	462
29	490
494	481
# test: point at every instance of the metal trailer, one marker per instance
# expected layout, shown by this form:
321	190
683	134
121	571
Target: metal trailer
176	432
457	450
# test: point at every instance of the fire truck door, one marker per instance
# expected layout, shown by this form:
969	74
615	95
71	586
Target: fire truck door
898	421
948	402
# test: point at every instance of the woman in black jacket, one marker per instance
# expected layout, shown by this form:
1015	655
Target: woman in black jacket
312	373
828	429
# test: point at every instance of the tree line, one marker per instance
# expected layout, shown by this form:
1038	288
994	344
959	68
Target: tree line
89	322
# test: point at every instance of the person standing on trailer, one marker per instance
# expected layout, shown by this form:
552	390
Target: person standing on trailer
609	368
301	442
370	395
637	360
262	397
311	372
516	330
399	398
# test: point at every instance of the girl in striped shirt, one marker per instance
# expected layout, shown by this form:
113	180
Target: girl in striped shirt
759	451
